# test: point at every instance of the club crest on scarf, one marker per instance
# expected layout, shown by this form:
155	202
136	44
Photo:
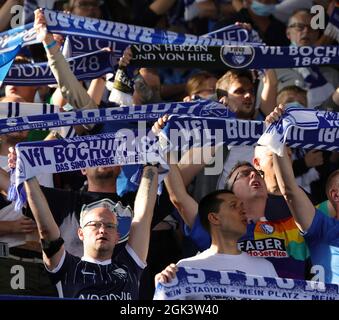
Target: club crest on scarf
266	228
21	169
237	56
214	110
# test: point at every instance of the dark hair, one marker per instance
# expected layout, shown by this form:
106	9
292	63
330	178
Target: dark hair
210	203
235	167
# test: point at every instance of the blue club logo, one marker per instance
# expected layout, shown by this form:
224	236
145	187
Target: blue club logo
267	229
237	56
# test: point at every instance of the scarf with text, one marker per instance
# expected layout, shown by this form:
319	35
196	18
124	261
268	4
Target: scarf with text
86	67
24	117
181	133
238	57
78	45
196	283
324	124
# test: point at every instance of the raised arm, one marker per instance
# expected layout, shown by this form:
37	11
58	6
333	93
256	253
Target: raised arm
70	88
47	228
143	212
300	206
269	91
193	161
185	204
4	181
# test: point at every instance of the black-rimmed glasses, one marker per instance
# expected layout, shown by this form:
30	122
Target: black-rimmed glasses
246	173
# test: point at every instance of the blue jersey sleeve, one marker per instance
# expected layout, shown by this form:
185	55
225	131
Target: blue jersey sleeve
198	234
322	229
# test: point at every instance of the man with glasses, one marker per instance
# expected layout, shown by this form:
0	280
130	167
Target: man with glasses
96	275
321	81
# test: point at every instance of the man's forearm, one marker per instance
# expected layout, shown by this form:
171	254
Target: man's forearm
70	87
46	224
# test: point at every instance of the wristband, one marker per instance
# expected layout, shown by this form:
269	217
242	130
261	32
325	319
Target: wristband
51	45
50	248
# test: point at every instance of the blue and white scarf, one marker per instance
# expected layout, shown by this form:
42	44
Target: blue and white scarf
124	147
7	57
229	56
181	133
124	34
190	282
332	28
318	89
86	67
323	124
77	45
150	112
24	35
236	34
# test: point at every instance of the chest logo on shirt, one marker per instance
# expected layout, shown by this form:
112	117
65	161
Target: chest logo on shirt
120	273
93	274
267	228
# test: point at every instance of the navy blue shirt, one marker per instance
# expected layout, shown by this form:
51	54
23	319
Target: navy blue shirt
118	280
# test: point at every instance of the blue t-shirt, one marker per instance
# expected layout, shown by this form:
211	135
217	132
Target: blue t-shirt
86	280
323	241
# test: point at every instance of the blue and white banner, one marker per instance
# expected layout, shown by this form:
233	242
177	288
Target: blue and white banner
125	34
332	28
133	146
77	45
238	57
24	35
125	147
7	57
150	112
205	284
324	124
236	34
86	67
